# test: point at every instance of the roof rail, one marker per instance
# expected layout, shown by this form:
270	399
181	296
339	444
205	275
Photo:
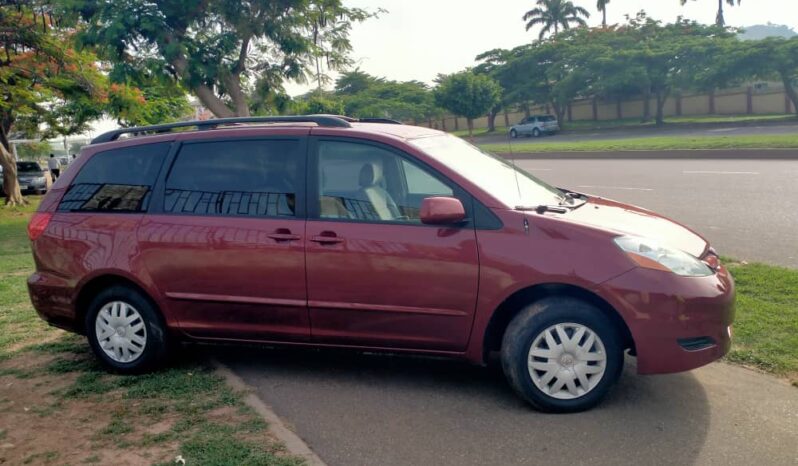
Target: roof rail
330	121
380	120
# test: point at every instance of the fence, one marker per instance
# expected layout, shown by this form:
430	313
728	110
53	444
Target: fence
757	99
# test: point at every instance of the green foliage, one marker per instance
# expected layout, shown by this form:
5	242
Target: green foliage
33	150
318	104
553	14
467	94
222	50
365	96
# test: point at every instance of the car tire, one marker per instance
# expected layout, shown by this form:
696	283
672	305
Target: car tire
513	134
536	132
126	331
561	375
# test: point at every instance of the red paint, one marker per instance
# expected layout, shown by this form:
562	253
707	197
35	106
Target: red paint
442	211
401	287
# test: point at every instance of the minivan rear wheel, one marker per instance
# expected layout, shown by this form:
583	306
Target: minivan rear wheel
125	330
513	133
561	355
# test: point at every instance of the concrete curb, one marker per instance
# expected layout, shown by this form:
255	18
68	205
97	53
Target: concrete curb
293	443
712	154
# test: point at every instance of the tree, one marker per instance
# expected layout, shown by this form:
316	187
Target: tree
719	20
601	5
681	55
771	58
467	94
547	72
221	50
553	14
44	81
381	98
491	63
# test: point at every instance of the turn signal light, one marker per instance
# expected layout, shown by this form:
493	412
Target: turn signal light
38	224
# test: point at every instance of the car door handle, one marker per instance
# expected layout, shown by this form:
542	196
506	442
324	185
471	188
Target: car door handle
327	237
284	234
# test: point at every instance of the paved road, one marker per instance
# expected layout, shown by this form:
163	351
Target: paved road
652	132
359	409
748	209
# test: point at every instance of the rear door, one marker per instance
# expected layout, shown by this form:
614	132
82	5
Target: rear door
376	275
225	244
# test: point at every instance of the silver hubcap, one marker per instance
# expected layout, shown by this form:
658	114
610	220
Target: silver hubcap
566	361
121	331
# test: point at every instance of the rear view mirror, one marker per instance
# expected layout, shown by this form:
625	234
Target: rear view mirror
442	211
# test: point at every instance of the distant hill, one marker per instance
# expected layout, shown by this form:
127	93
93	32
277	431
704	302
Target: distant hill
760	31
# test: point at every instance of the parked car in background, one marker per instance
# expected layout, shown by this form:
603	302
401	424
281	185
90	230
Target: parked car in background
535	125
31	177
334	232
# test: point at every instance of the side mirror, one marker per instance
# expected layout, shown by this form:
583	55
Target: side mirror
442	211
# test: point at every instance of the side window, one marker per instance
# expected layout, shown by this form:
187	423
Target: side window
254	178
117	180
368	183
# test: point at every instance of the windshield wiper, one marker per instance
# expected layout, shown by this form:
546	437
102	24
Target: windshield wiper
543	208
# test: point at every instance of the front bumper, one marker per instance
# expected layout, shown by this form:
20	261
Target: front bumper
677	323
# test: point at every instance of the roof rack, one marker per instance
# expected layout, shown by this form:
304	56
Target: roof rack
328	121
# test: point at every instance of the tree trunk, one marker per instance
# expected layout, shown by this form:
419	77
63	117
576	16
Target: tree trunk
559	111
526	109
792	94
604	17
492	119
10	182
470	127
646	106
662	97
719	20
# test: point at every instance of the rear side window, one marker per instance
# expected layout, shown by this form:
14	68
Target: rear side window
117	180
255	178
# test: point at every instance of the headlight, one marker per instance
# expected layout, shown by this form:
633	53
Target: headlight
647	253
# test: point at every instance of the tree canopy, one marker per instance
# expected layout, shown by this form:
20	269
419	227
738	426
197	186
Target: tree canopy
221	50
467	94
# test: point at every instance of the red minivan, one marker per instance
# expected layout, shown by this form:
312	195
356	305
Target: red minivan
368	234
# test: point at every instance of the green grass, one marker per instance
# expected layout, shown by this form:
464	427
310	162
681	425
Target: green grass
780	141
766	324
187	391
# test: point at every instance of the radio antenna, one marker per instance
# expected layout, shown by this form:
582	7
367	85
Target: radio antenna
515	169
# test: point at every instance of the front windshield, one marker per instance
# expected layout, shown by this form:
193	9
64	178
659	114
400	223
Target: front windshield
510	185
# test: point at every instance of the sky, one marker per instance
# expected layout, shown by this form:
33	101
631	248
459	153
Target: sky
417	39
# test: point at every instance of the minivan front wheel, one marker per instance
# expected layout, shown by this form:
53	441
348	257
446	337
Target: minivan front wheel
513	134
561	355
125	330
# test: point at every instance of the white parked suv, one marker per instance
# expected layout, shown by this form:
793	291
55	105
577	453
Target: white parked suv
535	125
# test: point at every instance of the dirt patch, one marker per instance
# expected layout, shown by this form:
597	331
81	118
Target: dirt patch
40	426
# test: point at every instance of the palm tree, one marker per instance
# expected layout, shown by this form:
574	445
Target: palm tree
553	14
719	18
602	7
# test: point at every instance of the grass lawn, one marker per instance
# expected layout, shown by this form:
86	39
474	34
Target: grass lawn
779	141
59	406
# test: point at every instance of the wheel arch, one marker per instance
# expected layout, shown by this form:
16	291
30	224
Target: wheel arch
511	306
91	287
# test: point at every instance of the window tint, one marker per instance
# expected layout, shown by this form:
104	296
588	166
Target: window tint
249	178
365	182
116	180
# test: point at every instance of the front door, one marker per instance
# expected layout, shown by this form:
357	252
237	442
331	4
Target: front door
376	275
226	245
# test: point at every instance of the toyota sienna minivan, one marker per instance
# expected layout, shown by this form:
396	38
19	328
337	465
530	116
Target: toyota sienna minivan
372	235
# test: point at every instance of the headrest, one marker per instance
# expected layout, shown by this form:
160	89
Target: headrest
370	175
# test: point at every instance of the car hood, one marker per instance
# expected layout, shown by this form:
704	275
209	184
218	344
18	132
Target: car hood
632	220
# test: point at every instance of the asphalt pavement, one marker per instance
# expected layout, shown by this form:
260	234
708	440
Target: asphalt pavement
748	209
677	130
364	409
